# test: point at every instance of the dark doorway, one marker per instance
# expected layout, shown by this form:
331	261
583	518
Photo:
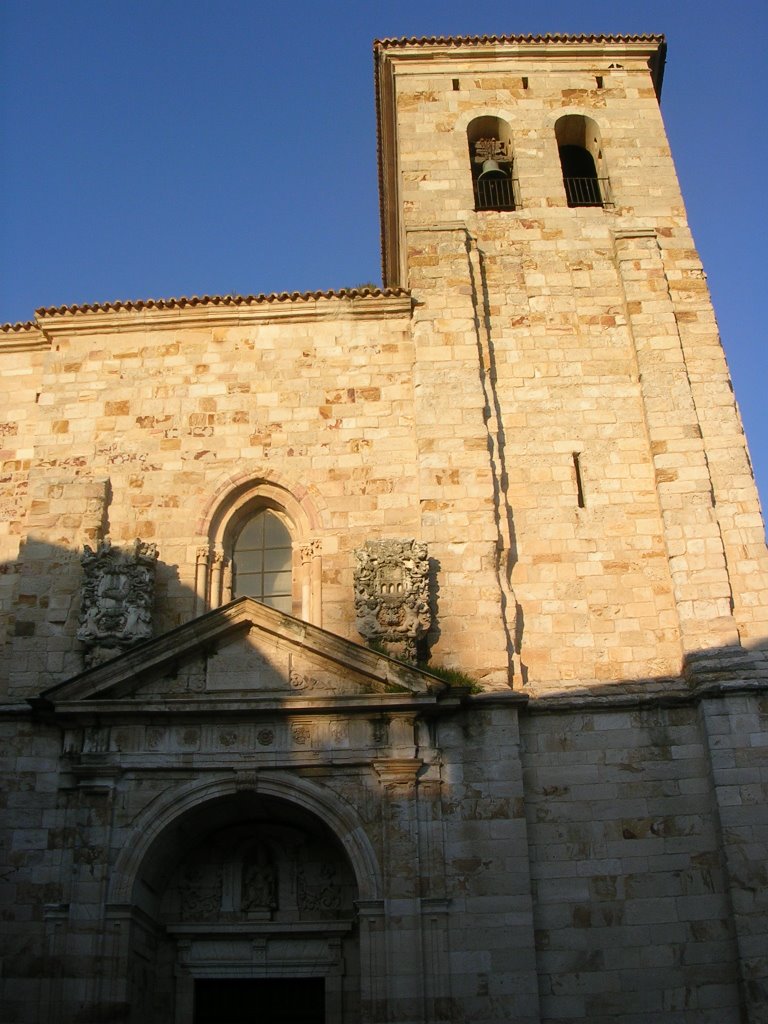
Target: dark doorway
260	1001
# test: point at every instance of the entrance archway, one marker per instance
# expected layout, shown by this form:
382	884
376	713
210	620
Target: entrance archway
243	895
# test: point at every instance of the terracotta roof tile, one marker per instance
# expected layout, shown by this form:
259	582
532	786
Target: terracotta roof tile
22	325
403	41
185	302
25	336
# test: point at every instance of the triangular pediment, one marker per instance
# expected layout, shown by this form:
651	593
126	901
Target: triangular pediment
241	654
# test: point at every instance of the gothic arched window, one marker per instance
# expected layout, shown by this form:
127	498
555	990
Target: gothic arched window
261	541
262	557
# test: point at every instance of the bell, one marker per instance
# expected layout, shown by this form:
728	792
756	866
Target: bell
491	170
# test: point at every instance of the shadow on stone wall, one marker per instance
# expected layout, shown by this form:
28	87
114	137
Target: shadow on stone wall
41	613
625	820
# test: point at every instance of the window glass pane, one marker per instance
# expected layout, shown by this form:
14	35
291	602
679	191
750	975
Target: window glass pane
275	533
252	534
277	583
277	558
262	561
248	584
248	561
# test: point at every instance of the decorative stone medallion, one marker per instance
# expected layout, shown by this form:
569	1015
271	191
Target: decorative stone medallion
117	595
392	595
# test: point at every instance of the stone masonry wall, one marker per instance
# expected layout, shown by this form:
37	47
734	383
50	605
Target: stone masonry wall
149	421
19	393
632	902
599	341
32	841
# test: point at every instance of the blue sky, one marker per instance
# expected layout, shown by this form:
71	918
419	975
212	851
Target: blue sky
178	148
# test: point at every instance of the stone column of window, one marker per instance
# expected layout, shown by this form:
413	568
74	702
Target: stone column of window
311	581
217	573
202	572
227	590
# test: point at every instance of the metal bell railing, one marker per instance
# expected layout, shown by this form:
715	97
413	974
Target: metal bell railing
586	191
495	193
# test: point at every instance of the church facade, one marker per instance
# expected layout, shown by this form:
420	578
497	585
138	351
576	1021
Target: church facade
399	655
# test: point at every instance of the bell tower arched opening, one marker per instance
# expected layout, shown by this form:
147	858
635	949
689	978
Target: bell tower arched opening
585	177
491	161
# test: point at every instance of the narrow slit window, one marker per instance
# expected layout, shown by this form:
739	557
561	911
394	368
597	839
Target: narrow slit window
579	480
455	85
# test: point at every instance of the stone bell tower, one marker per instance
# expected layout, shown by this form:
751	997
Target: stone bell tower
567	357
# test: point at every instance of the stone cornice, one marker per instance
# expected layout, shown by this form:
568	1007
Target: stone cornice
22	337
651	48
208	311
251	708
623	699
525	39
228	316
121	677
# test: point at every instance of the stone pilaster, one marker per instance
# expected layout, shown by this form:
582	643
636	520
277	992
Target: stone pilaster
697	560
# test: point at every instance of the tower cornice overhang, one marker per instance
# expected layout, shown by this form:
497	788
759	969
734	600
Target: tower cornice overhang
650	47
22	337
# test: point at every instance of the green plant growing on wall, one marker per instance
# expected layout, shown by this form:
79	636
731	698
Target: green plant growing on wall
452	676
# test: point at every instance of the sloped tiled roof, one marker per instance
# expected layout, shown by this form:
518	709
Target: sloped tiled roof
185	302
33	334
485	40
18	328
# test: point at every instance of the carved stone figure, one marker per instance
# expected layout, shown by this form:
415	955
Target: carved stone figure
117	595
392	595
259	885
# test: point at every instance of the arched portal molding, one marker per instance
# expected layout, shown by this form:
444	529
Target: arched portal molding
304	502
169	810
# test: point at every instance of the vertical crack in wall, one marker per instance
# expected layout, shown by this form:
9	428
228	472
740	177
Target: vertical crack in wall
506	543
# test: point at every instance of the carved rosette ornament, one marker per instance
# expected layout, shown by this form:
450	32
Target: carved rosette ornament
117	595
392	595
